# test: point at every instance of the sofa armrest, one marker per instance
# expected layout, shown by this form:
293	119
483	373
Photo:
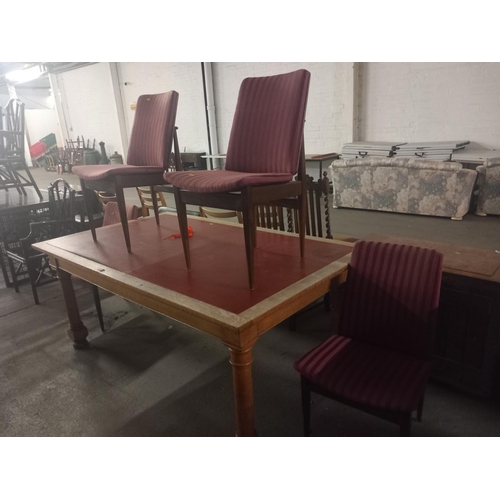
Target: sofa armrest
492	162
434	165
463	191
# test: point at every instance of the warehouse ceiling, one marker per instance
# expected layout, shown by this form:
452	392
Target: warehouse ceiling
43	81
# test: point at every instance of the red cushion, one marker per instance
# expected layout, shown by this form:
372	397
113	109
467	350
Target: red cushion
97	172
219	181
366	374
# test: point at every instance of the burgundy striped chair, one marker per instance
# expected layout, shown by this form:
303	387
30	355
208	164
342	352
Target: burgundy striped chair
379	361
148	155
265	151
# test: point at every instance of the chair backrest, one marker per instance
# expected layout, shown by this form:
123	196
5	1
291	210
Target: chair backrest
268	124
153	130
112	214
147	199
61	200
14	122
220	214
14	116
392	296
105	197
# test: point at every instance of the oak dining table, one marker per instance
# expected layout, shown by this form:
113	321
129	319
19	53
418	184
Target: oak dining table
213	296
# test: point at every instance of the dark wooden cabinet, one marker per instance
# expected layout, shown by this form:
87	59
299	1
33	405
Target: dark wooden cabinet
193	161
467	341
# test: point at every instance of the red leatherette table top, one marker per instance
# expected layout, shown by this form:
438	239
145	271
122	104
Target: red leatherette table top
219	272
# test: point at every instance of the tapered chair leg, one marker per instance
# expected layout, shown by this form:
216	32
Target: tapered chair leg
97	302
122	209
302	204
155	205
87	196
302	221
32	277
183	225
13	275
32	180
248	230
306	406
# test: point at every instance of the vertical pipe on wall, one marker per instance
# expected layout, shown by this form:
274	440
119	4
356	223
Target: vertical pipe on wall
208	86
119	104
61	117
353	102
57	85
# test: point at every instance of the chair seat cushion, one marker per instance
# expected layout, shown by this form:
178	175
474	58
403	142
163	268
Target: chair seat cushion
98	172
220	181
366	374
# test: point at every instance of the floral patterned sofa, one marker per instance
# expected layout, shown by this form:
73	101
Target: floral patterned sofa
410	186
488	201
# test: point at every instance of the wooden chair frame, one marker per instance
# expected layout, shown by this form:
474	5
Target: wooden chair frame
118	182
295	193
15	172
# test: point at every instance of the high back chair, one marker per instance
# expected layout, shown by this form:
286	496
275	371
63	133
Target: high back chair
146	197
215	214
148	156
15	171
379	361
61	222
265	152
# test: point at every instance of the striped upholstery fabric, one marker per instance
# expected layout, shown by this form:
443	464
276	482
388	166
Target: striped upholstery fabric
266	135
153	130
381	355
150	140
219	181
392	296
366	374
112	214
96	172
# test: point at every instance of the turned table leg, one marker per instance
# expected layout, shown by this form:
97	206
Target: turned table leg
77	331
241	362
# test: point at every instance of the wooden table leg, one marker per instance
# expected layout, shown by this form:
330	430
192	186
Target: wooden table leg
77	331
241	362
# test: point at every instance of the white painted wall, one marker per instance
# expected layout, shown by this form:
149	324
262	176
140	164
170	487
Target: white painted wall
90	105
154	78
327	122
42	122
32	98
430	101
396	101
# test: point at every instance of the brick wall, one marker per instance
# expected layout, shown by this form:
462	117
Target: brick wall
397	101
326	125
430	101
153	78
91	108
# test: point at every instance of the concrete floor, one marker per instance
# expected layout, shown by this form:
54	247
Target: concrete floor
151	376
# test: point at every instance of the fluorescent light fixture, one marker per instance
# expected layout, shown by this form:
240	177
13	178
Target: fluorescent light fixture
25	75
